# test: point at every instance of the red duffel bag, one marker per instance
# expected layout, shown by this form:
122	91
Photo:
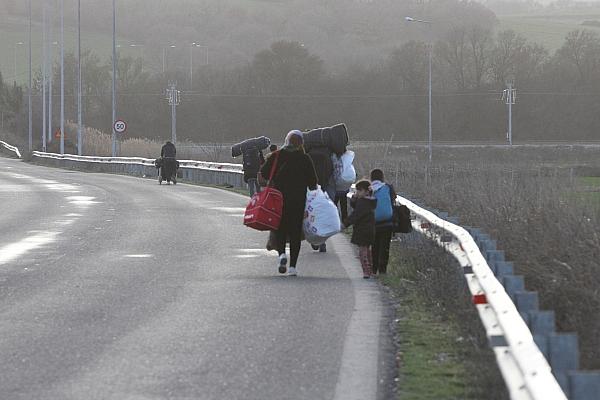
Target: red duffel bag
264	211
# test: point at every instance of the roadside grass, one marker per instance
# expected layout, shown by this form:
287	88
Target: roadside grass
442	350
531	202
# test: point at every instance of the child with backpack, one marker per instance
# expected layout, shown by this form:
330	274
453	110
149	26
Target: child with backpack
363	218
384	225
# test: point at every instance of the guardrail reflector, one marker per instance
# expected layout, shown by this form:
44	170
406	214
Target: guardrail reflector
479	299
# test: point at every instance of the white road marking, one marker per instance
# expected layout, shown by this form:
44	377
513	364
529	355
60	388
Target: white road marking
15	250
82	201
235	210
139	255
256	251
358	371
246	256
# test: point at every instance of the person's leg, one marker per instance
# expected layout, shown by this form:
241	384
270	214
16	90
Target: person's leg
375	252
252	183
384	251
295	243
363	254
281	236
344	204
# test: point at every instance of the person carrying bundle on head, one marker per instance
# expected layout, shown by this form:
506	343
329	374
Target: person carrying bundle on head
168	163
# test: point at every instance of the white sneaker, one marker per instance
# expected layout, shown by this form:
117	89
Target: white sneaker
292	271
282	263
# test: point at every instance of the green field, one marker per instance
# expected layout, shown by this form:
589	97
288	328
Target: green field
550	28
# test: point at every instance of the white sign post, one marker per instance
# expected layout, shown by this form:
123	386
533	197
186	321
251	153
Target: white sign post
120	126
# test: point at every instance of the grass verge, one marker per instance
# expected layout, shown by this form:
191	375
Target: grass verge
442	350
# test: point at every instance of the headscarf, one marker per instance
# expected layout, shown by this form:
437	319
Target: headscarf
294	140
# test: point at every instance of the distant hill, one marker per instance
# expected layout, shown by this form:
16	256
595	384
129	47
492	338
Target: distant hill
341	32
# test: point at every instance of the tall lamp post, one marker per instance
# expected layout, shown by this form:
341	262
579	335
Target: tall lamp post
114	80
164	56
15	58
141	47
30	82
192	46
428	23
79	120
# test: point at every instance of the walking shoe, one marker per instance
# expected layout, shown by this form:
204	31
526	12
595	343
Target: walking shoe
323	248
314	247
292	271
366	276
282	263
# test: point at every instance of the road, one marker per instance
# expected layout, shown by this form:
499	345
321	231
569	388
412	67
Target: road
113	287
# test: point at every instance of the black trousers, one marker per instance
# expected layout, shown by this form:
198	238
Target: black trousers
342	199
381	250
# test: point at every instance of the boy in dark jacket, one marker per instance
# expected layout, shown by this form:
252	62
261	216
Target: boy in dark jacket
363	219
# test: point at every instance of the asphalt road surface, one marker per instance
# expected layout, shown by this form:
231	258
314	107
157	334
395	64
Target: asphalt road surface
113	287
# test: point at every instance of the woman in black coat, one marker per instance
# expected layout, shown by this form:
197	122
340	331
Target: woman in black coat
294	173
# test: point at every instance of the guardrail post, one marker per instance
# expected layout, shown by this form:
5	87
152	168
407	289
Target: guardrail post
503	268
563	352
513	284
584	385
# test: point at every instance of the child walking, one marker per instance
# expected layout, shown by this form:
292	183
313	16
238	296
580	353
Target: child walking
363	218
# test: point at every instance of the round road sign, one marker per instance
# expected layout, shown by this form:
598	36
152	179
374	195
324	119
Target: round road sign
120	126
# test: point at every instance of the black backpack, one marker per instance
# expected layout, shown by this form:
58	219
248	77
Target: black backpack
401	219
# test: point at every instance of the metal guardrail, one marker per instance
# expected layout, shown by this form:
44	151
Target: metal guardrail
536	362
194	171
9	147
526	371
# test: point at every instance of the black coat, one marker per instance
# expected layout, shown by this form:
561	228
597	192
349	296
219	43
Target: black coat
321	157
294	173
363	219
251	162
168	150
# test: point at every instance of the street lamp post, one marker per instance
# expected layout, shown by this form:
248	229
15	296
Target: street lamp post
62	77
164	56
428	23
114	80
197	45
29	89
15	58
79	120
141	47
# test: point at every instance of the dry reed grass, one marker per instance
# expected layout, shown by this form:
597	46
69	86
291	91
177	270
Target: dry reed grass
530	200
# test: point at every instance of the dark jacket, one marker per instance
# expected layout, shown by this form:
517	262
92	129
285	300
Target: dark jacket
168	150
294	173
251	162
363	219
321	157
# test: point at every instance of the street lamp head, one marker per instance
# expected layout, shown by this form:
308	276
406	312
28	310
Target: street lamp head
172	46
19	43
409	19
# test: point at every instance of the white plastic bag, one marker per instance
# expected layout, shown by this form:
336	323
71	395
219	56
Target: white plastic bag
344	173
321	218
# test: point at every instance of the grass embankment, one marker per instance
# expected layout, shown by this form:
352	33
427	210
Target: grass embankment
549	28
442	348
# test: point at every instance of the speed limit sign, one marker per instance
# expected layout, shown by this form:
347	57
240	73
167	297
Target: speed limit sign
120	126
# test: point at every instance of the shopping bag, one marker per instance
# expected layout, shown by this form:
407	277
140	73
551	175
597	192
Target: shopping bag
321	218
344	173
264	211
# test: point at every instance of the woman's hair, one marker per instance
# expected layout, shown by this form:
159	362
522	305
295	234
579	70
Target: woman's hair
377	175
363	184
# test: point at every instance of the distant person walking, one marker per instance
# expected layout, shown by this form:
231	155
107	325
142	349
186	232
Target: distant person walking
386	196
363	219
294	174
252	160
168	163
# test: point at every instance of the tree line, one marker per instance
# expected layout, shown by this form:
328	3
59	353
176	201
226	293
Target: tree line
286	86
